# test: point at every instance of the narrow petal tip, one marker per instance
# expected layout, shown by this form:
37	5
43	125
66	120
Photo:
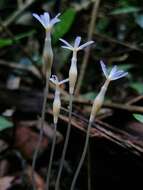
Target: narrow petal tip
77	42
66	44
85	45
104	69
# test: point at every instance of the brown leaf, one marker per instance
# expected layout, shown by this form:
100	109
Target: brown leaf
26	140
48	129
38	179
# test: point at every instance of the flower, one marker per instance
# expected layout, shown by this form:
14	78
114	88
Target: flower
73	68
76	46
57	99
114	73
54	79
46	21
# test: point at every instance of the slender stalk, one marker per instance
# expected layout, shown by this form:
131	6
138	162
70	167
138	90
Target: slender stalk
89	168
65	144
82	157
46	90
51	157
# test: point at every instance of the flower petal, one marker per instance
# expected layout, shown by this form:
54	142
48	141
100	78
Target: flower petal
113	71
77	42
66	47
117	76
55	19
85	45
66	43
63	81
43	20
39	19
46	18
58	15
104	69
54	79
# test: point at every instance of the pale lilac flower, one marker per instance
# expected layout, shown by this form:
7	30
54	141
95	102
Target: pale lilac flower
76	46
57	99
54	80
46	21
73	69
114	74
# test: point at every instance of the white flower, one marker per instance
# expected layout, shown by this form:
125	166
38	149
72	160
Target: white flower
46	21
73	69
54	79
76	46
57	100
114	73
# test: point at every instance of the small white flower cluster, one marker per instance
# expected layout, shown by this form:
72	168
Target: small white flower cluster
48	57
113	75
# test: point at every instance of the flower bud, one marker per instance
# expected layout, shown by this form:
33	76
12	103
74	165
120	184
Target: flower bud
98	102
47	57
57	100
72	75
56	106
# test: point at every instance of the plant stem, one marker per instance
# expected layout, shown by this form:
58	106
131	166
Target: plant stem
51	157
82	157
46	90
65	144
89	168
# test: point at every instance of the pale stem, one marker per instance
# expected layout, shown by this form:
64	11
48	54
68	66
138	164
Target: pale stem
89	168
46	91
82	157
48	35
65	144
51	157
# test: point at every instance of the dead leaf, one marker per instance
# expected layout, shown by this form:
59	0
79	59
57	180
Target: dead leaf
26	141
48	129
38	179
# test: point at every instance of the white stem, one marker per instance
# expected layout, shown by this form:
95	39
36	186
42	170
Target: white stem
65	144
51	157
